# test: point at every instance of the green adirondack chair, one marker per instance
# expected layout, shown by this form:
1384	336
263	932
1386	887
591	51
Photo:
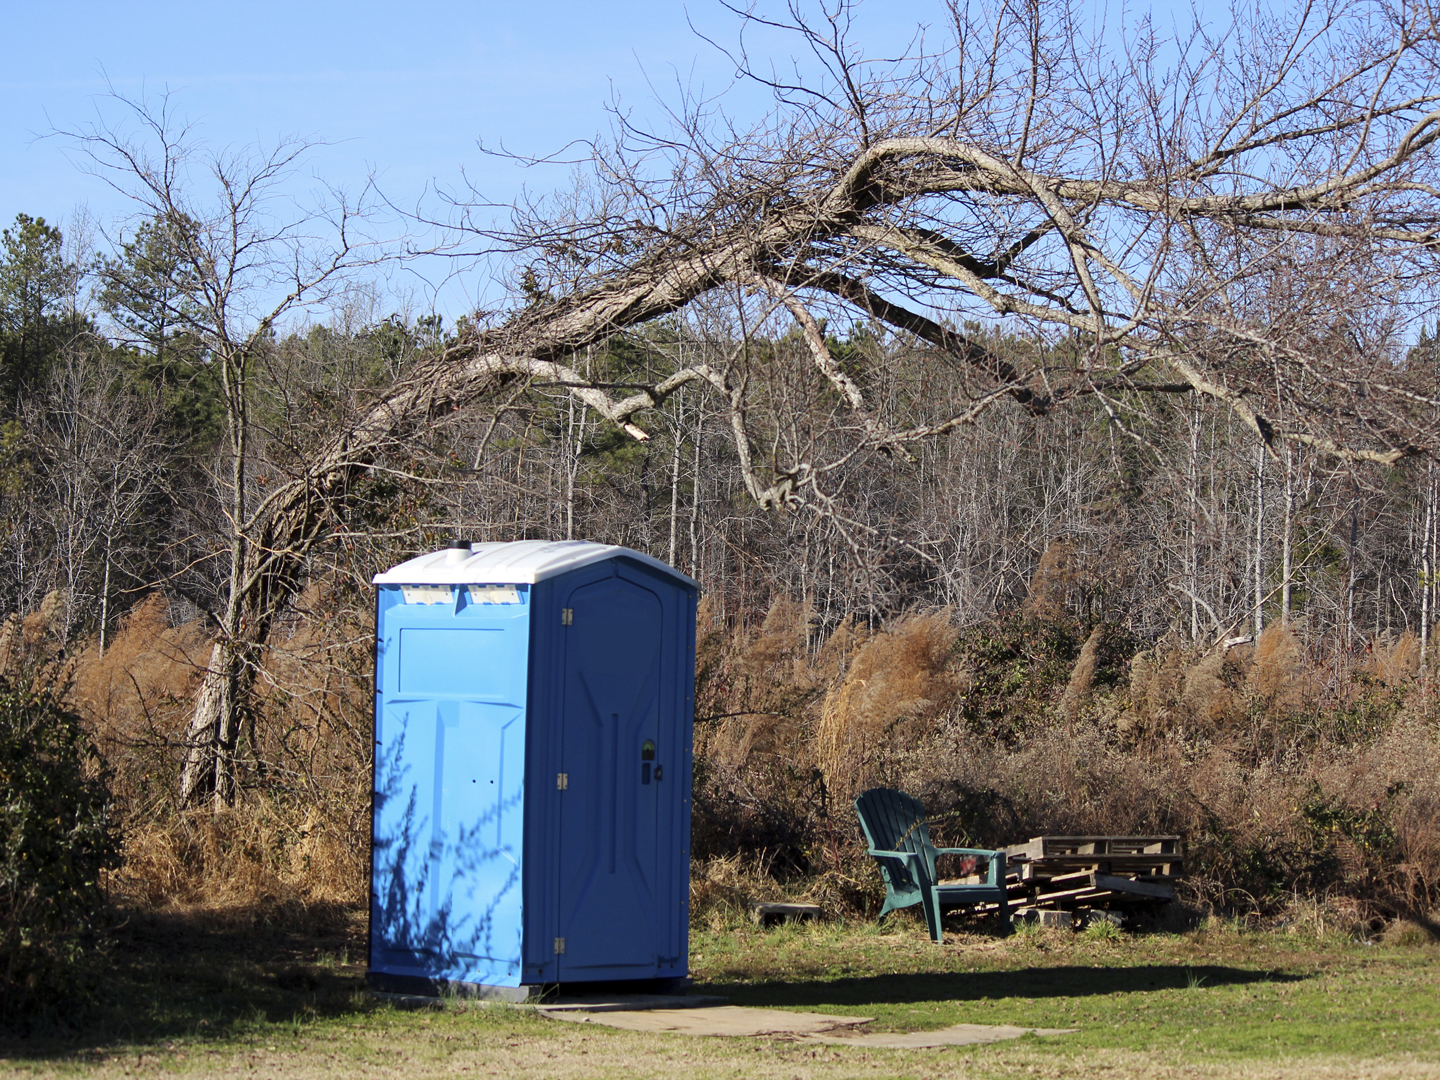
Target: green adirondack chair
894	827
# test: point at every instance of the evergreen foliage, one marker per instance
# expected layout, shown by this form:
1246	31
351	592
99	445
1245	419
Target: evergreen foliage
57	837
35	283
149	291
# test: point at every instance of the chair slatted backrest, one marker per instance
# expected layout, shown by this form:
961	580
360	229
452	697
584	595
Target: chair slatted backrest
894	821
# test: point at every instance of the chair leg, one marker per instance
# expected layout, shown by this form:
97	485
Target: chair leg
999	879
931	903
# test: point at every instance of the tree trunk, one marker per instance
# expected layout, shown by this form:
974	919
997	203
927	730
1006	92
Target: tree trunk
220	705
1352	576
1259	541
264	574
1427	573
678	447
1287	539
1192	554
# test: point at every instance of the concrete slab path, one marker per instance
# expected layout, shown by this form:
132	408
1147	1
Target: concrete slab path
739	1021
714	1020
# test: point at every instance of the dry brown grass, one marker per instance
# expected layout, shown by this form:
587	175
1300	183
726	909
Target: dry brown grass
1393	663
1158	679
1410	934
723	887
1060	578
137	698
1290	774
1293	773
1279	677
250	863
904	677
1082	679
296	842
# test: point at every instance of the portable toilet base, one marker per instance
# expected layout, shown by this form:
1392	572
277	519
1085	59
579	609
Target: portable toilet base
534	710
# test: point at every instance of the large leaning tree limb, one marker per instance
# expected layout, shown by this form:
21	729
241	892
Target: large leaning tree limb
1250	215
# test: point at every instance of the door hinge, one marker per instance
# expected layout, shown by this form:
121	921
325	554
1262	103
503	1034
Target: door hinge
562	781
559	946
567	616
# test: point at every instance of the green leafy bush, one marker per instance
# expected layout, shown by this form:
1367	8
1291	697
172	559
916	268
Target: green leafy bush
56	837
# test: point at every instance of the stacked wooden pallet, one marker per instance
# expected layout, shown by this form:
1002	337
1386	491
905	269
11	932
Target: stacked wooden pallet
1071	872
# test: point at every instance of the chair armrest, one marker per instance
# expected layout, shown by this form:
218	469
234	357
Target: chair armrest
919	868
989	853
893	854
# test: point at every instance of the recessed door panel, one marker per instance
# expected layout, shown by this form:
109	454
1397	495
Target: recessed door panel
405	828
610	911
478	851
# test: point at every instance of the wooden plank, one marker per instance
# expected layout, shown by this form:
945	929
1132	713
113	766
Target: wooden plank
1061	879
1088	894
1059	901
1057	872
1064	894
1137	862
1148	838
1140	857
1137	888
1070	871
1047	881
1033	850
1041	847
1107	881
1075	858
1045	917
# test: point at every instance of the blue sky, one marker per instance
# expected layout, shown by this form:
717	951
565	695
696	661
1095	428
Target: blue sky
406	93
403	91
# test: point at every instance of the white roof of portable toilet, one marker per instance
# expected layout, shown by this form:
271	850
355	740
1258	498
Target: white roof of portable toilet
520	562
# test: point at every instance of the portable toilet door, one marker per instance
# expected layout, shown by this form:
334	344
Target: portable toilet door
620	648
534	718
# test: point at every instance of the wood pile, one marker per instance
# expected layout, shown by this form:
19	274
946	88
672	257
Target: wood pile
1070	872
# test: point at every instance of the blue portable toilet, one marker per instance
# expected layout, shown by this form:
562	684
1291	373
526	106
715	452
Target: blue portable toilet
534	709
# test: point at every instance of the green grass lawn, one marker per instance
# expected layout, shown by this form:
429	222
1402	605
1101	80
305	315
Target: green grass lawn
1208	995
1217	1001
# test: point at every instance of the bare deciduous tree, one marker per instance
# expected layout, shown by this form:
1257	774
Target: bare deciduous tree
243	256
101	458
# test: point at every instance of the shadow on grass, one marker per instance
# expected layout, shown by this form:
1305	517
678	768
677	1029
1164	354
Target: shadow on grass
207	975
1039	982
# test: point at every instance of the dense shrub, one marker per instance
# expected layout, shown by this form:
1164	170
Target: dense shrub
56	838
